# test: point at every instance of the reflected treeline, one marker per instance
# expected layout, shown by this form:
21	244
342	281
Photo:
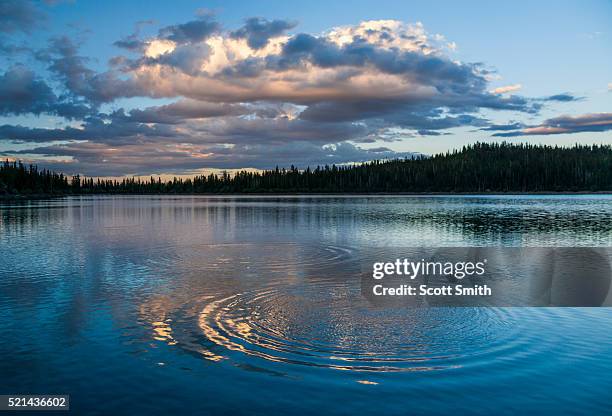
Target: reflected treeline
482	167
582	220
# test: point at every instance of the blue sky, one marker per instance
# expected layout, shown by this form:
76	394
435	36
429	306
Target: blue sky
228	84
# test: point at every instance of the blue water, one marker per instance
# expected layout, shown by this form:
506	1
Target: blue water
252	305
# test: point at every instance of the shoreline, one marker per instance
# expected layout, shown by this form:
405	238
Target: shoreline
28	197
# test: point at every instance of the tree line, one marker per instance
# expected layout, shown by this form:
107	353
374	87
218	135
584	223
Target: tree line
481	167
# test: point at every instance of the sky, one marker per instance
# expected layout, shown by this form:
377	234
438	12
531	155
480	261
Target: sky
119	88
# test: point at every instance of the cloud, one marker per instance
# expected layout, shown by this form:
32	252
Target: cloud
191	32
383	70
361	63
94	129
182	110
503	127
21	92
197	123
609	86
253	97
385	62
80	81
431	133
258	31
98	159
187	58
565	97
133	42
507	89
8	49
19	16
596	122
277	131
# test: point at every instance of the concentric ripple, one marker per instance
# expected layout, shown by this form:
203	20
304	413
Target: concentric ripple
277	326
293	304
330	327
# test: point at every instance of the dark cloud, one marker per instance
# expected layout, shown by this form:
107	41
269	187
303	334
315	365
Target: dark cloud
425	122
80	81
565	97
429	69
173	124
8	48
257	31
596	122
187	58
247	68
415	115
19	16
191	32
180	111
113	129
23	134
133	42
431	133
503	127
21	92
280	130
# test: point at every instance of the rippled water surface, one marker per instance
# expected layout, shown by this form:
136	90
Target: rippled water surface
252	305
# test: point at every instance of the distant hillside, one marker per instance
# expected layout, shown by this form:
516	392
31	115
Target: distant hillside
482	167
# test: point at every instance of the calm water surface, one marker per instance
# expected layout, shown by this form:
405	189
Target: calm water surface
252	305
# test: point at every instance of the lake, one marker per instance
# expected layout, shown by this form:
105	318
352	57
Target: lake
251	305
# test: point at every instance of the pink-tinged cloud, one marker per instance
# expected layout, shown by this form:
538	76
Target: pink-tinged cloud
507	89
544	130
595	122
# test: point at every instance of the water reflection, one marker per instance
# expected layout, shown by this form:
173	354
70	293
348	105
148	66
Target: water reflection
267	290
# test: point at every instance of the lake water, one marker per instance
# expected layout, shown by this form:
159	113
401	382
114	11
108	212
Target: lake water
251	305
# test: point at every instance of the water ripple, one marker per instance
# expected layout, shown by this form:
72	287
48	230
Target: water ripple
329	326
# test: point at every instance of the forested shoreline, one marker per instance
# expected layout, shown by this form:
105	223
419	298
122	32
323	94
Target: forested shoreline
478	168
